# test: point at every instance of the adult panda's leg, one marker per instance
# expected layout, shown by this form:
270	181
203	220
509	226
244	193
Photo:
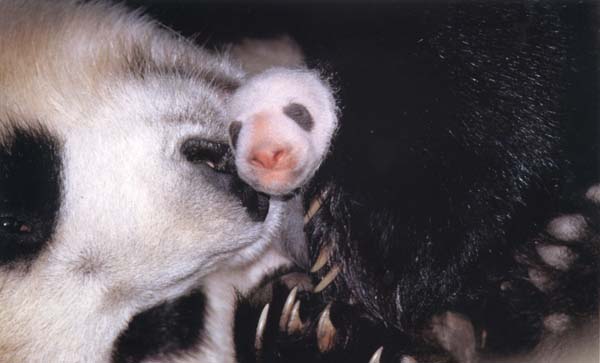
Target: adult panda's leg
551	292
543	304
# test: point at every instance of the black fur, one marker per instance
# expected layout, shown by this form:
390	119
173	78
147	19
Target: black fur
465	128
201	151
164	331
434	211
428	204
223	174
300	115
30	193
234	133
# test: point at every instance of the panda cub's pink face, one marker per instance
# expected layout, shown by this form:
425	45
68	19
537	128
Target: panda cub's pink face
282	122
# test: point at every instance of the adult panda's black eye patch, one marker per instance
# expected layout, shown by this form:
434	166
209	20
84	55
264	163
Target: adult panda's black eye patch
30	193
12	225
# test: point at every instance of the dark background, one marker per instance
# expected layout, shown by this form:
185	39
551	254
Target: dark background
384	65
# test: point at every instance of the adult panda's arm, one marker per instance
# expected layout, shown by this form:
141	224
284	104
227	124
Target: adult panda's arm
542	309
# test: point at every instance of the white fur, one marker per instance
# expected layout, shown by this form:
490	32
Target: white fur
265	96
138	224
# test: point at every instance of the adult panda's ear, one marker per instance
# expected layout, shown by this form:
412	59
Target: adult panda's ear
30	193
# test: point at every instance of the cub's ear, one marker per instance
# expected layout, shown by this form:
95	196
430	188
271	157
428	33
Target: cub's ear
30	193
258	55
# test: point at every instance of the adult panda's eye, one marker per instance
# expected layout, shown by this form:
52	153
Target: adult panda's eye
215	155
14	226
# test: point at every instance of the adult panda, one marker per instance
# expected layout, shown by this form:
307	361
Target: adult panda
458	214
125	232
105	275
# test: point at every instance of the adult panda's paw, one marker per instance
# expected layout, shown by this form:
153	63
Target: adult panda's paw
277	323
552	289
282	123
563	260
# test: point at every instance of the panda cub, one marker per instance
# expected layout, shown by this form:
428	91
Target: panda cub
282	124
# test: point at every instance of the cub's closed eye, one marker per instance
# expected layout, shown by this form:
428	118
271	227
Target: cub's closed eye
13	225
215	155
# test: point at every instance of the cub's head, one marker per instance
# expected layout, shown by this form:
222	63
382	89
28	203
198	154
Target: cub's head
116	181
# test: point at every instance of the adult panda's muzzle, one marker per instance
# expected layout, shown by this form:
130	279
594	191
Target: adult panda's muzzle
219	158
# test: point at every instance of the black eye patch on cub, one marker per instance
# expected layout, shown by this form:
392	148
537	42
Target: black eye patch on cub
29	193
300	114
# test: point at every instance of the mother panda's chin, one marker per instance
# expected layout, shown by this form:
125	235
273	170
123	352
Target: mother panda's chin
270	230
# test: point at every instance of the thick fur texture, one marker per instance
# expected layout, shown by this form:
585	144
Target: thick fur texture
282	124
117	194
454	236
449	240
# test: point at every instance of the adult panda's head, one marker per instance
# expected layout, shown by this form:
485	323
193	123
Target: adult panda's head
115	186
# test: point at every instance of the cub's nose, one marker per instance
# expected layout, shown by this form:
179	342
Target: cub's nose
272	157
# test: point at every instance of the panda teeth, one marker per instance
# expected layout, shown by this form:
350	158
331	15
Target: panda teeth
295	325
326	332
376	358
322	259
327	280
260	328
210	164
287	309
